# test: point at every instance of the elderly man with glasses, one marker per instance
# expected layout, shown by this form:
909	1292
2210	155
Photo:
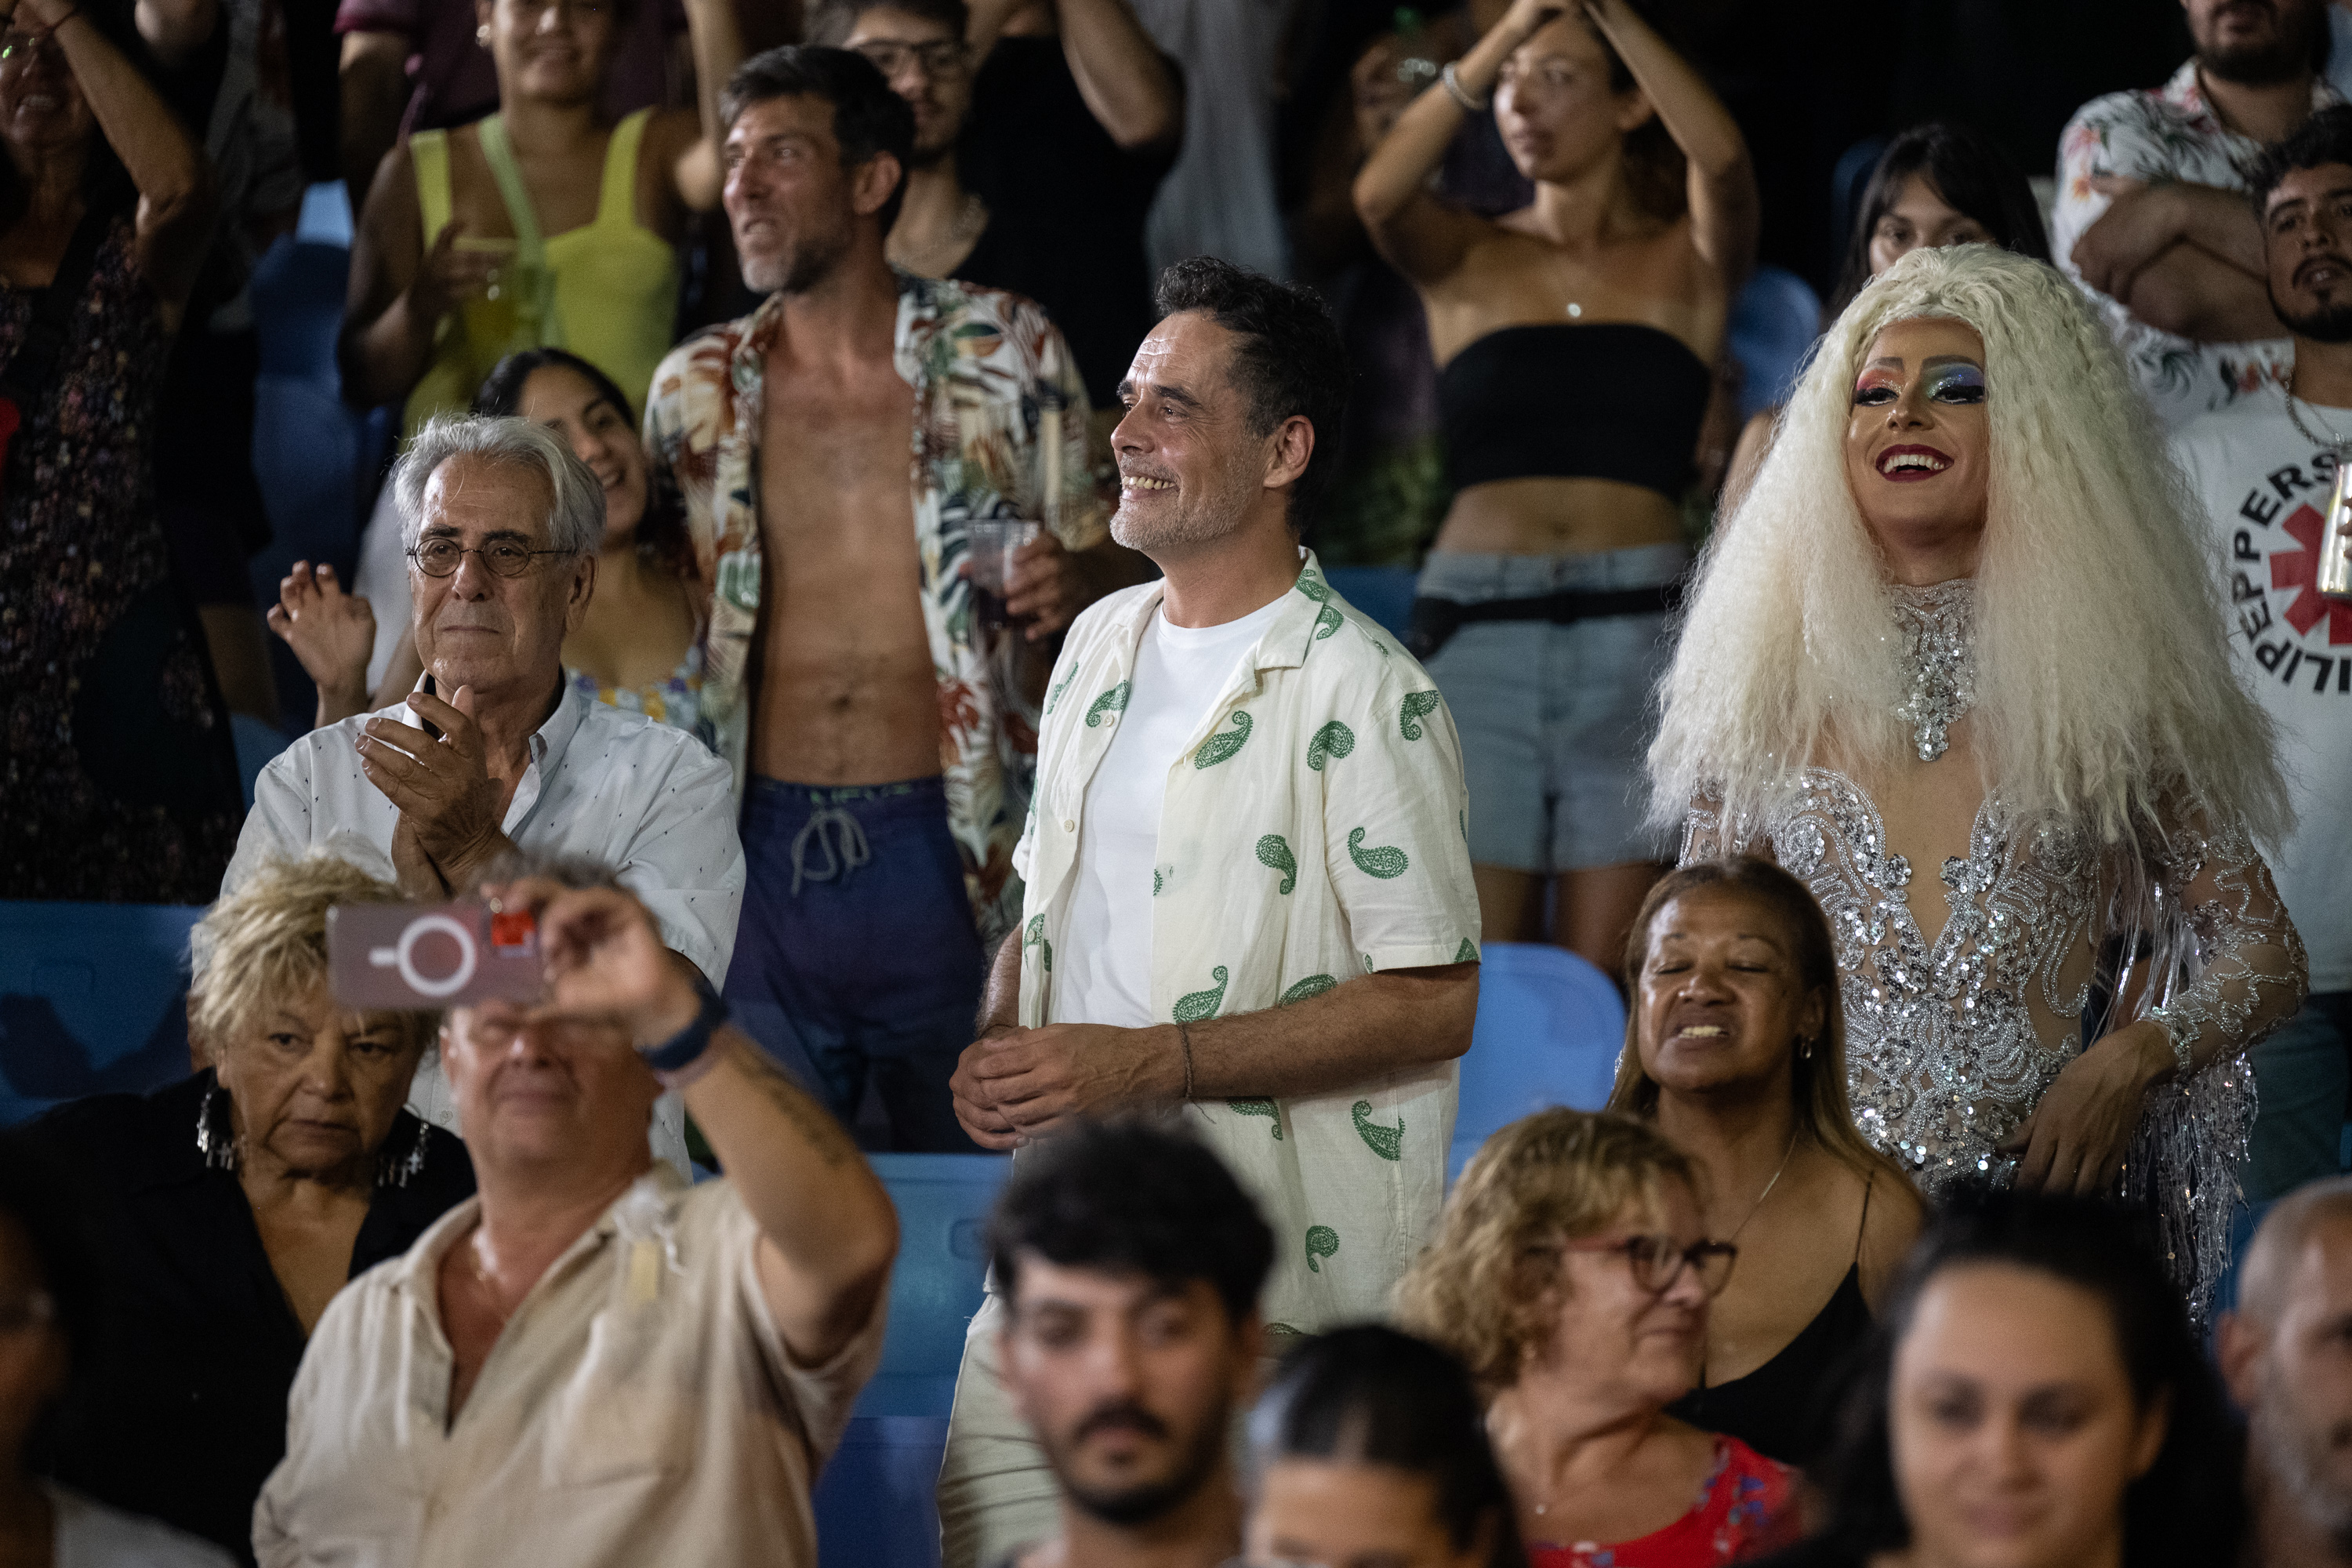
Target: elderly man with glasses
493	752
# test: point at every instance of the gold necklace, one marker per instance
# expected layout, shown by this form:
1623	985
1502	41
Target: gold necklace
1786	1154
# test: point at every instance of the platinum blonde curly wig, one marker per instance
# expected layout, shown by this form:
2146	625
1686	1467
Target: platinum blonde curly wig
2104	690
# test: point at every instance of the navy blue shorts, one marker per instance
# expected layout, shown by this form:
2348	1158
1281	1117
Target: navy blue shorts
857	965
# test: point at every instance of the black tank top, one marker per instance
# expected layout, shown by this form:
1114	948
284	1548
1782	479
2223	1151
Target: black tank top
1780	1409
1615	400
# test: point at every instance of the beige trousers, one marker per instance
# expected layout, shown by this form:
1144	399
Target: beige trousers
996	1493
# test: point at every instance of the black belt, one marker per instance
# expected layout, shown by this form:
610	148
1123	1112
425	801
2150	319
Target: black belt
1434	621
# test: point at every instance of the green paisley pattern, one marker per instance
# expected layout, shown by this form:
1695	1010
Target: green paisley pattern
1313	986
1274	852
1380	860
1322	1241
1314	590
1260	1108
1416	704
1388	1143
1036	933
1334	739
1054	697
1467	952
1329	621
1195	1006
1285	1331
1111	701
1222	747
1155	881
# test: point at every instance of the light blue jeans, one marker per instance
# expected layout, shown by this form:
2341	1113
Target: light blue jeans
2300	1075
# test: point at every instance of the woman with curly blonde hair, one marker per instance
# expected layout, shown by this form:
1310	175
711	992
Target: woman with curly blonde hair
1958	664
1735	1048
1572	1274
227	1209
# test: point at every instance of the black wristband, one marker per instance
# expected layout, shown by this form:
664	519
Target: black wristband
681	1049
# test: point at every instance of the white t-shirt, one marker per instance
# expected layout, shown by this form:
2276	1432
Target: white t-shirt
1180	674
2264	487
92	1536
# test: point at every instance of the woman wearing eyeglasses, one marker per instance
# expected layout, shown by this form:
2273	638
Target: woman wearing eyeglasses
1572	1274
1735	1048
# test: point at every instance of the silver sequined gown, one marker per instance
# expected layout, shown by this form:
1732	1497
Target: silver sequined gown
1951	1043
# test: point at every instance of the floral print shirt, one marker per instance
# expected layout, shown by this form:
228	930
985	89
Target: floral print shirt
1000	432
1313	830
2169	132
1747	1507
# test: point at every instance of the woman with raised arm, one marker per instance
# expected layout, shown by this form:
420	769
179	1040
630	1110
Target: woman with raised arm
1576	339
120	782
1957	663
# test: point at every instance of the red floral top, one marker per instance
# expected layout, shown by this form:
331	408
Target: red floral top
1745	1508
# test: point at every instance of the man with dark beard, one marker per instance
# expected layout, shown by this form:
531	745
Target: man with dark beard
2265	469
2150	220
1130	1262
1249	900
2286	1352
879	722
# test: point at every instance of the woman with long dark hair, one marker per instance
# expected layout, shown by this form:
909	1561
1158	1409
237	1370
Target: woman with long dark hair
1370	1447
2032	1397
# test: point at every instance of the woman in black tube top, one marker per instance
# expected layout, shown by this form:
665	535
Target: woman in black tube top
1735	1046
1576	339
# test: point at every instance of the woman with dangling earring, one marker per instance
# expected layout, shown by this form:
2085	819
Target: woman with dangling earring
1735	1048
226	1211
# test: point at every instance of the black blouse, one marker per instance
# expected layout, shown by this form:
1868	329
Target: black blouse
180	1412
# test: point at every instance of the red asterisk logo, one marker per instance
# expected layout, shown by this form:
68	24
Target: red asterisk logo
2300	569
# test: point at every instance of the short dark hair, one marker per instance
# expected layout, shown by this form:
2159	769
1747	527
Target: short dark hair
1289	360
1374	1395
662	540
38	1191
1972	175
831	21
868	119
2325	138
2188	1509
1130	1196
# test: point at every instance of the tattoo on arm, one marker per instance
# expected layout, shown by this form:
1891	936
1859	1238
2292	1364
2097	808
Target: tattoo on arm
816	1125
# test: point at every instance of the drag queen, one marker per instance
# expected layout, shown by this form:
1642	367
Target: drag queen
1962	626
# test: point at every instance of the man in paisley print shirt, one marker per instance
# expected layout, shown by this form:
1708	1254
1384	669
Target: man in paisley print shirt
1248	891
880	726
2152	218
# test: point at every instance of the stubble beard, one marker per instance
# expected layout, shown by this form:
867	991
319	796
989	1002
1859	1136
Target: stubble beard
1187	526
2326	323
2297	1459
2283	59
1127	1508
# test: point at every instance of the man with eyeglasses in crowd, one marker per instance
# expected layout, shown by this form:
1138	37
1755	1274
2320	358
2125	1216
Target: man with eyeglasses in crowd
494	752
1043	130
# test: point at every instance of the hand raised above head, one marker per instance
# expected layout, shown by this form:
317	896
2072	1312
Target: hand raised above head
332	633
603	958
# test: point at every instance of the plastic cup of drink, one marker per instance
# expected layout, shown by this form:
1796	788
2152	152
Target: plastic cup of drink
990	544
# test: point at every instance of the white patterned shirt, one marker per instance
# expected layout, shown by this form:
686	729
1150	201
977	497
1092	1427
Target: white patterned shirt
2159	135
1313	830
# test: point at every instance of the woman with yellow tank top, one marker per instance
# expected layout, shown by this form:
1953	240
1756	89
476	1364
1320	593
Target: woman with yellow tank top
541	226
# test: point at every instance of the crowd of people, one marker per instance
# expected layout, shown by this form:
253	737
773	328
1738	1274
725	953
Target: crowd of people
817	462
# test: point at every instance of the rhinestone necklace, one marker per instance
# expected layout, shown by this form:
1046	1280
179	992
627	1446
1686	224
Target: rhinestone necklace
2341	442
1938	625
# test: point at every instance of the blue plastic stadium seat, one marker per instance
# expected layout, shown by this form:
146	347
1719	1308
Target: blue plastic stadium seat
92	1001
1548	1032
876	1504
1383	593
1773	325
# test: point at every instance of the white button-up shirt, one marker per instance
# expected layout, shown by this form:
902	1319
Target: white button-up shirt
640	1407
649	801
1316	828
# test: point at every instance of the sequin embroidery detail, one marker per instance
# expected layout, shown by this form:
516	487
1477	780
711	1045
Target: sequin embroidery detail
1939	657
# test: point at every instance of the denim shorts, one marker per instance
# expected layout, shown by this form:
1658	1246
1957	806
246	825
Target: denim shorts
1555	720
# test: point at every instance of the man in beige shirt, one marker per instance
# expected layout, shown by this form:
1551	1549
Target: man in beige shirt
592	1363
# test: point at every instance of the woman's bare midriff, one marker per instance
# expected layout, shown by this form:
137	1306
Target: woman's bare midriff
1557	517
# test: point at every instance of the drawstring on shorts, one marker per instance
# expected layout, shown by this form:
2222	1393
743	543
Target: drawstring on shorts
843	853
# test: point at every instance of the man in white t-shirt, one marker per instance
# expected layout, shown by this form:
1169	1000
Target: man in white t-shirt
2264	468
1249	900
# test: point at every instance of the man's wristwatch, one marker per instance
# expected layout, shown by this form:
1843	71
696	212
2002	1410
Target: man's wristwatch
682	1050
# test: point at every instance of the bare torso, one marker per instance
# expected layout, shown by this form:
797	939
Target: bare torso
847	692
1650	275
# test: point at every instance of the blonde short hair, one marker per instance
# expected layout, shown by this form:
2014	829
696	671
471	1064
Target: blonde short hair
266	943
1486	1288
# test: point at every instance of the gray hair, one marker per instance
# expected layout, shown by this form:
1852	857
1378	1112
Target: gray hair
576	522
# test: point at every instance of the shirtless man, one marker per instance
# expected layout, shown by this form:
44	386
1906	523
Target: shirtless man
881	722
